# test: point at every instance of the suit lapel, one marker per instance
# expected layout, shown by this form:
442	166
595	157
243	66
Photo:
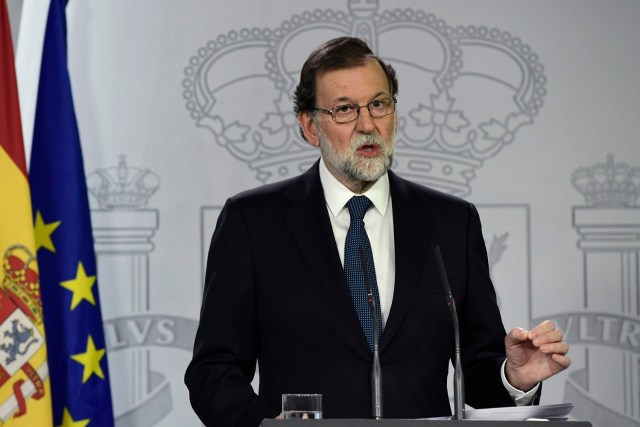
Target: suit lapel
412	228
308	222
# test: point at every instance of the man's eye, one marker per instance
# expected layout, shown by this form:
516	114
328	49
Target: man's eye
377	103
343	109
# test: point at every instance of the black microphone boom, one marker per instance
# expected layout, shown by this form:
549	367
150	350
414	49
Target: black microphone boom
458	392
376	372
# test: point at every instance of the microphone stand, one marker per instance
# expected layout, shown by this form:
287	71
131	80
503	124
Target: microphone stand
376	372
458	392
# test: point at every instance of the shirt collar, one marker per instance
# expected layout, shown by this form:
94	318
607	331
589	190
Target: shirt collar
337	195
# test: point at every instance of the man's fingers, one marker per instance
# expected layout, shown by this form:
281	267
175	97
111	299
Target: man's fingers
542	328
561	348
554	335
561	360
516	335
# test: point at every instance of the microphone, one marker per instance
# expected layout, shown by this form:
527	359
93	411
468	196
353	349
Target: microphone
376	372
458	390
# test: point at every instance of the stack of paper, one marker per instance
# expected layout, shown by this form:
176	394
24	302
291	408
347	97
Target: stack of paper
558	412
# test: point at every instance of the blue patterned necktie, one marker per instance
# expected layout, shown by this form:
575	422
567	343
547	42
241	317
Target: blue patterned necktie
356	238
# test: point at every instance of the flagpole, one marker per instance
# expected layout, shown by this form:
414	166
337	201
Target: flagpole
33	20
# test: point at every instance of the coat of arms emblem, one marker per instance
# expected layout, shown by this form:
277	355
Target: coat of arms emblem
22	344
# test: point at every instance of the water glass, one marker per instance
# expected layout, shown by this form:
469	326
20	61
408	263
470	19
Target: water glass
302	406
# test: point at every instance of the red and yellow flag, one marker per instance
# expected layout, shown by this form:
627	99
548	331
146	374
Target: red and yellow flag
25	398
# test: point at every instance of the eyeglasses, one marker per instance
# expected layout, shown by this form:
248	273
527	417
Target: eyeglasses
346	113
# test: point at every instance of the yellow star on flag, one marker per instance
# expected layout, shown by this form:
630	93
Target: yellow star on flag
43	233
90	359
81	287
67	421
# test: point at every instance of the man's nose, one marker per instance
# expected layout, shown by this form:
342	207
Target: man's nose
365	123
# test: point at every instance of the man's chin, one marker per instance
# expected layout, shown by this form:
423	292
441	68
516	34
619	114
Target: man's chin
369	172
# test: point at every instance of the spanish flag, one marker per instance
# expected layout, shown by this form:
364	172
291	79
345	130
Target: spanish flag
25	395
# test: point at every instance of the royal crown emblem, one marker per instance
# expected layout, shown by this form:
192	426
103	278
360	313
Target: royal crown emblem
122	186
464	91
21	281
608	184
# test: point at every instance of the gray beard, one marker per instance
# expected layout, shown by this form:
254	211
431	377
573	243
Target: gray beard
358	172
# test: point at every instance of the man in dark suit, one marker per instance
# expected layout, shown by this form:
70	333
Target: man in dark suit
276	291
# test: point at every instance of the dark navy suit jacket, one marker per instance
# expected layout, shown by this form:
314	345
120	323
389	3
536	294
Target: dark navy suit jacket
275	293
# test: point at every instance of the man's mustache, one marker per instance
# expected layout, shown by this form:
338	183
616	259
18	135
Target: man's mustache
361	140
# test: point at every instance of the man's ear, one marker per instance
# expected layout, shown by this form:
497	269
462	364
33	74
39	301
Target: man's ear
309	128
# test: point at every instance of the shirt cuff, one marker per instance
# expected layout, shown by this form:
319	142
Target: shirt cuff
520	397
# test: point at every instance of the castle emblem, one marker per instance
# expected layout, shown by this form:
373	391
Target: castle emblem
464	94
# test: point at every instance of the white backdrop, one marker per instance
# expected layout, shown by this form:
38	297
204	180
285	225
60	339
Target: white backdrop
506	103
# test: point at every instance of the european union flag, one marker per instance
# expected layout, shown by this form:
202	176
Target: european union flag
73	322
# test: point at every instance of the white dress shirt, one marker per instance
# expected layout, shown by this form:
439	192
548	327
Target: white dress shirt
378	222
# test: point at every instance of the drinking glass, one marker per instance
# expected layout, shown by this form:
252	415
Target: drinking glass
302	406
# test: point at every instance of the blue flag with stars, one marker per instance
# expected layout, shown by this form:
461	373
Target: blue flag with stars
80	390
